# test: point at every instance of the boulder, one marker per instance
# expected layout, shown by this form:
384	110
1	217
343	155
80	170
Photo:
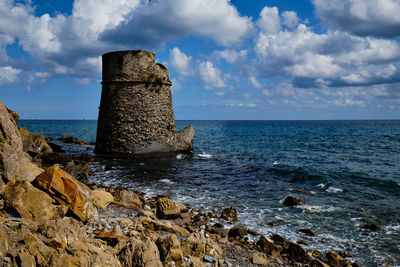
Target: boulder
239	230
101	198
292	201
166	209
67	190
307	231
127	199
14	162
183	141
265	244
28	202
372	227
4	242
161	226
34	143
229	214
194	245
111	237
140	254
259	258
335	260
170	249
78	169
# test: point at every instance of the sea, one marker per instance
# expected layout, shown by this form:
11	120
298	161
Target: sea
347	173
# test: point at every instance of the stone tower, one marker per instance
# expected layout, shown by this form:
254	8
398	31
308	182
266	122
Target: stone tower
135	114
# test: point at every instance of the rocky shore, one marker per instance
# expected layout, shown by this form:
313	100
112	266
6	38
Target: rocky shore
51	215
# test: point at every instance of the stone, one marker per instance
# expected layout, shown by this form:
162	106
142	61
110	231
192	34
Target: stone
307	232
14	162
67	190
160	226
34	143
170	249
71	140
229	214
194	245
127	199
78	169
265	244
259	258
335	260
101	198
239	230
111	237
25	259
141	254
296	252
293	201
56	148
372	227
4	242
28	202
318	263
166	209
136	116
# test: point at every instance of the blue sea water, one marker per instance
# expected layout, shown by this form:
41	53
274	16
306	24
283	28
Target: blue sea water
347	172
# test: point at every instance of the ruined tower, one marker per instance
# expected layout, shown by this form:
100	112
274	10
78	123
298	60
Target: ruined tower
135	114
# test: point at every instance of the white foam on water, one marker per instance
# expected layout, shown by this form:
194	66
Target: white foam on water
179	156
321	185
334	190
166	181
205	155
276	163
317	209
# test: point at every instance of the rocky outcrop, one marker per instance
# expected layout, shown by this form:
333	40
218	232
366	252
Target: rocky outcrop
14	162
34	143
67	190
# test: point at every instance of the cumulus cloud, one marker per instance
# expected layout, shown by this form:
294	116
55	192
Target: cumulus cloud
158	21
378	18
211	75
9	75
290	19
269	21
180	61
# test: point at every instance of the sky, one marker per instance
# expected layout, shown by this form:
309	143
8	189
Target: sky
228	60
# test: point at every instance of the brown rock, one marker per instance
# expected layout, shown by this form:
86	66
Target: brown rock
372	227
239	230
293	201
34	143
194	245
183	141
259	258
170	249
127	199
111	237
307	232
28	202
67	190
25	259
229	214
265	244
157	226
318	263
166	209
78	169
101	198
141	254
4	241
335	260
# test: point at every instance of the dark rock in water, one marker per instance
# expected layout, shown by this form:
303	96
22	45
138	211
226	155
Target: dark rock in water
336	260
307	232
229	214
109	166
71	140
296	252
56	148
265	244
372	227
293	201
237	230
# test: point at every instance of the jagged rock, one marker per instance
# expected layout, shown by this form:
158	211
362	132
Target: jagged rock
265	244
78	169
111	237
166	209
14	162
14	115
307	232
67	190
238	230
101	198
229	214
293	201
259	258
70	139
4	242
25	259
157	225
194	245
127	199
170	249
28	202
141	254
56	148
318	263
183	140
372	227
34	143
296	252
335	260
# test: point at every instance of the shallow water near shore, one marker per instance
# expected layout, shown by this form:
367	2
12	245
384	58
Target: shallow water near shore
347	172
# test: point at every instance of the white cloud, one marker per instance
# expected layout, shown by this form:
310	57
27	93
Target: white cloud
9	75
180	61
269	21
254	82
290	19
362	17
231	56
211	75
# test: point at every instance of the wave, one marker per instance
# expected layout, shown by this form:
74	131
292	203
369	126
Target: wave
205	155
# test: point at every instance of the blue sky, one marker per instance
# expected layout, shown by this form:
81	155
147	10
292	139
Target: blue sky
270	59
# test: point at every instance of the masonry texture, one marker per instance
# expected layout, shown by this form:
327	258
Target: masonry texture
136	114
